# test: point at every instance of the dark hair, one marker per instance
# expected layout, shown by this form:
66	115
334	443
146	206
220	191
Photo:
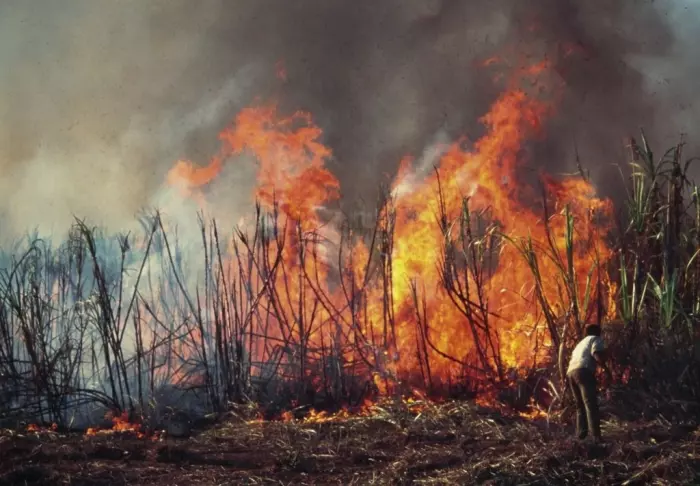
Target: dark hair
592	330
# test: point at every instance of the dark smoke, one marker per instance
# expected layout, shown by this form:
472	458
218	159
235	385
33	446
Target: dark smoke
99	99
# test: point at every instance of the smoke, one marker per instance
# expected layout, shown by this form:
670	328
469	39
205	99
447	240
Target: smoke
97	100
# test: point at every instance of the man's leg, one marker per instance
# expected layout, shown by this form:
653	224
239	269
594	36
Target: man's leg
589	391
581	423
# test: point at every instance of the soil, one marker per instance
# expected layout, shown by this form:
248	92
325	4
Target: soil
452	443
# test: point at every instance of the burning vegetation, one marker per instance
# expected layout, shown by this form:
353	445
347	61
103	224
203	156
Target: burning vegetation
468	283
439	289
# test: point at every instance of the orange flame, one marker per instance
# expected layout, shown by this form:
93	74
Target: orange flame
120	424
34	428
293	180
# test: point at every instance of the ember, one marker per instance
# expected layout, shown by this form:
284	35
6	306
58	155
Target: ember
39	429
120	424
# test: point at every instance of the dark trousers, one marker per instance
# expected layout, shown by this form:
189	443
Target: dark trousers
583	384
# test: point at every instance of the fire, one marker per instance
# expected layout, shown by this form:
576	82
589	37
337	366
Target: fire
187	177
289	153
491	318
120	424
38	429
534	413
413	404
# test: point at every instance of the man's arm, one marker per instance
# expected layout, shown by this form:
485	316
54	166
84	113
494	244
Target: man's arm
601	358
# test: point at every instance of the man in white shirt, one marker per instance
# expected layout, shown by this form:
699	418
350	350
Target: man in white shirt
587	354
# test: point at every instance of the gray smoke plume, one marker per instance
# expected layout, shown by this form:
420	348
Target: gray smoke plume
98	99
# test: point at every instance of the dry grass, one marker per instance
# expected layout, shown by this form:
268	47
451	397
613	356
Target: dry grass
450	443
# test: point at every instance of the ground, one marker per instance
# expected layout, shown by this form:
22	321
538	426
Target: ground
451	443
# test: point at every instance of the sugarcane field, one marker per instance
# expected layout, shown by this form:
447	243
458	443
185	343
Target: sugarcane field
430	242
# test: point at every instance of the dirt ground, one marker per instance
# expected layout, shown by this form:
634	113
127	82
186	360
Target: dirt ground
453	443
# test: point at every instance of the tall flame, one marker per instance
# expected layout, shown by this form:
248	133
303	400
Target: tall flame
493	316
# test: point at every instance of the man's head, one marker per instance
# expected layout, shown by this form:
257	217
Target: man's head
592	330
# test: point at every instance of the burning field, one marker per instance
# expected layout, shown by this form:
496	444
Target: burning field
276	331
392	442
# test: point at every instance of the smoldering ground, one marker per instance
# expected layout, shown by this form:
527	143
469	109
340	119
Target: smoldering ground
98	99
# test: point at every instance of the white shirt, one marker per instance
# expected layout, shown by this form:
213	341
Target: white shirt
582	357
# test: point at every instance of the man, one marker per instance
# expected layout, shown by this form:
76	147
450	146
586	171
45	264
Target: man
581	377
